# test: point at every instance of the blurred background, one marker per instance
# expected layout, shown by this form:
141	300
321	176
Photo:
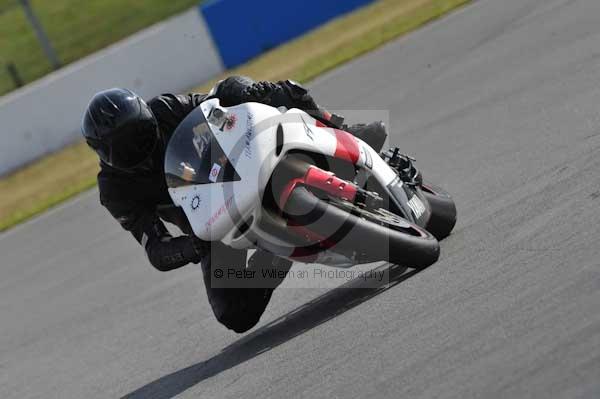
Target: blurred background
37	36
498	101
54	55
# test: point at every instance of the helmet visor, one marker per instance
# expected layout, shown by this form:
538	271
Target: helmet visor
130	151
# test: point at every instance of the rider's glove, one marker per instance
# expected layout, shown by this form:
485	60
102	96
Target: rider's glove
260	92
299	95
283	93
303	100
289	94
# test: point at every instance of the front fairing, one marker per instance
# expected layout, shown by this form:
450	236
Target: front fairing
215	162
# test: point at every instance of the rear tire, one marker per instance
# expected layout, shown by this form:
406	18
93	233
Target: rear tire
371	236
443	211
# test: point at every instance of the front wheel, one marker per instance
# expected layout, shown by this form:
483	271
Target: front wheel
362	234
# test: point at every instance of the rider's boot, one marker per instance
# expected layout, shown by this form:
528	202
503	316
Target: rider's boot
270	270
374	133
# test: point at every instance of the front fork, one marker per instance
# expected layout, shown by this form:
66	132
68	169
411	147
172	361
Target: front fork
333	186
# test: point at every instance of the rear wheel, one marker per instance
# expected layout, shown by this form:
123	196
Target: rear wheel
363	234
443	210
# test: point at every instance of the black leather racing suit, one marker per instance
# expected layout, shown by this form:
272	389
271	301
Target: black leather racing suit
140	201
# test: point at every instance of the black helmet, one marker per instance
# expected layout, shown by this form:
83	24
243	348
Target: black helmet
121	128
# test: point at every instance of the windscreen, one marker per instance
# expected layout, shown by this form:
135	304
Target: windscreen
194	156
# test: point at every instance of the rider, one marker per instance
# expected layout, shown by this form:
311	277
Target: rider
130	137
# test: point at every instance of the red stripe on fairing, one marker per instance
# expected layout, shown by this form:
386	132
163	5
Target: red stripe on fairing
320	124
346	146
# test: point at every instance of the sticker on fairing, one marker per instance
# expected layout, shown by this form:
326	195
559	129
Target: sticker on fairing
196	202
214	172
416	206
307	131
223	119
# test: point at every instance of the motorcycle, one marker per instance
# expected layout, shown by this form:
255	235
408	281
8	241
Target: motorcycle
255	176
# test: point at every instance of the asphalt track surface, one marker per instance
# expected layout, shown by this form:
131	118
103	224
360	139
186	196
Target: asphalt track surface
500	102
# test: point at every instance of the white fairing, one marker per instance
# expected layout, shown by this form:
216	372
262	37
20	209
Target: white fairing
211	208
248	136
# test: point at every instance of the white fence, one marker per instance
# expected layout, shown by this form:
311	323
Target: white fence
42	117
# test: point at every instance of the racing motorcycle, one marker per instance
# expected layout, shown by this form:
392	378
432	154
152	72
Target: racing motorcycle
255	176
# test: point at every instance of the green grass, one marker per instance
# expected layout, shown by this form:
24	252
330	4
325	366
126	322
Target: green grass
53	179
76	28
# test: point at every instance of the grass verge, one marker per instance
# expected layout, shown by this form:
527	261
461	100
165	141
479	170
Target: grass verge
59	176
98	23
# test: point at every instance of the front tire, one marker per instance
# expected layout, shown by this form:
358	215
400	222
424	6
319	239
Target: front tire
359	233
